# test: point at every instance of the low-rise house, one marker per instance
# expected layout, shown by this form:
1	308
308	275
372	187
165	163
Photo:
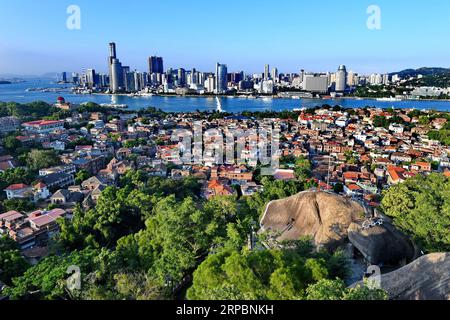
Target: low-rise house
90	164
397	175
43	126
8	220
178	174
9	124
66	197
18	191
400	157
353	190
32	230
59	180
217	188
6	163
93	183
421	166
250	188
283	174
69	169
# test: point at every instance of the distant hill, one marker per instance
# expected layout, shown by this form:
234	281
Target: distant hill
423	71
432	77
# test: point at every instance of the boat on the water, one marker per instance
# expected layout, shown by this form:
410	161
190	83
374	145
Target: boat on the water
389	99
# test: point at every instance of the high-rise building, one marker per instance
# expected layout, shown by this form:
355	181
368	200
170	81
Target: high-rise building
75	78
221	78
64	77
115	70
341	79
275	74
351	79
181	76
210	83
315	83
91	78
266	72
155	65
235	77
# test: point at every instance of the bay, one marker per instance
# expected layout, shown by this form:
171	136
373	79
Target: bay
16	92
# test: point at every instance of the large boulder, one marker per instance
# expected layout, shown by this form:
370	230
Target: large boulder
382	244
323	216
427	278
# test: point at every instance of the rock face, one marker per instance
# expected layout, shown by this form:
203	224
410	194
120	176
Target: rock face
331	221
382	244
427	278
323	216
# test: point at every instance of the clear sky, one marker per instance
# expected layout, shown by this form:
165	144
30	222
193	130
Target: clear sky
245	34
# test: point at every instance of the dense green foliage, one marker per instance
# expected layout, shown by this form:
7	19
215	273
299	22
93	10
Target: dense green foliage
47	280
12	263
264	274
421	208
30	111
326	289
443	135
40	159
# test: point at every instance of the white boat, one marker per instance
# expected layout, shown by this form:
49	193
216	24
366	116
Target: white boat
389	99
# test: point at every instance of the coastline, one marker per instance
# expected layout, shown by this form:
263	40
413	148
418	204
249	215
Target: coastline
212	96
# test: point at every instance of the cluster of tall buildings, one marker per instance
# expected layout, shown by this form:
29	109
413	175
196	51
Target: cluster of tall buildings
121	78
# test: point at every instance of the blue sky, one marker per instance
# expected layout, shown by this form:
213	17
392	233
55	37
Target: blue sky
288	34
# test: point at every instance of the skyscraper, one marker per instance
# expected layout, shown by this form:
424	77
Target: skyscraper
266	72
155	65
275	74
91	78
221	78
341	79
181	77
115	70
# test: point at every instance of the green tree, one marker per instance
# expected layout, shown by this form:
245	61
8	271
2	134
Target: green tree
421	208
303	168
47	280
282	274
40	159
11	143
12	264
327	289
20	205
81	176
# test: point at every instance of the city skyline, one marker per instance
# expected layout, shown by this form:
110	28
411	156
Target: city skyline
290	36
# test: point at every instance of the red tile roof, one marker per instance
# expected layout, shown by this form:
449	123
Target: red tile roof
39	123
18	186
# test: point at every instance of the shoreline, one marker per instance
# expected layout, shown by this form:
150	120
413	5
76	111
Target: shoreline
248	97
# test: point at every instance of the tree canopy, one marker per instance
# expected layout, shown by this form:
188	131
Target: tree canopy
283	274
421	207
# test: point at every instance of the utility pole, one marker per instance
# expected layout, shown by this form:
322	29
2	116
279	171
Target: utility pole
329	169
